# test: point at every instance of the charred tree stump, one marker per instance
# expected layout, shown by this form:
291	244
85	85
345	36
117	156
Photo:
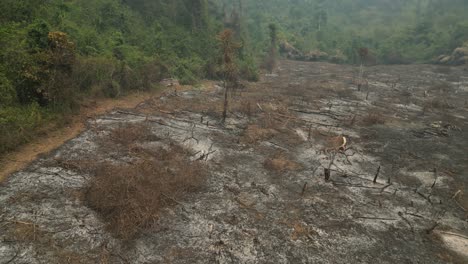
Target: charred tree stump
377	175
327	174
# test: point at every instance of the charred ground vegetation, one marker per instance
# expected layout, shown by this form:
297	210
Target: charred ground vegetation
315	162
295	167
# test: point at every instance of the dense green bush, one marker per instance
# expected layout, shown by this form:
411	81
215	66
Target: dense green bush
18	125
7	92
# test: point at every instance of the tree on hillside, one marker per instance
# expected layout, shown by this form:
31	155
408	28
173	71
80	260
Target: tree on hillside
321	15
229	67
363	53
270	60
199	12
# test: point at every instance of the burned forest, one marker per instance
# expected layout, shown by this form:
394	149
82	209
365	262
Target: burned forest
233	132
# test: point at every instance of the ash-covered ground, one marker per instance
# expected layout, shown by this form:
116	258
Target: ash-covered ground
395	147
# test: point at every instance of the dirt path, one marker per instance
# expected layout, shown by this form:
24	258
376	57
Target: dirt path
24	155
283	187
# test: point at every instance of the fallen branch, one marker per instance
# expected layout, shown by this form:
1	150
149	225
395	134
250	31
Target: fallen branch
432	228
260	107
407	221
13	258
376	218
354	185
453	234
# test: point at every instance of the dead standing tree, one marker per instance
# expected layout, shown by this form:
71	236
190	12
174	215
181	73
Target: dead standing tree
230	71
270	61
363	53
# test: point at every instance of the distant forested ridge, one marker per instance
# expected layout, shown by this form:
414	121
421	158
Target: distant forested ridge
396	31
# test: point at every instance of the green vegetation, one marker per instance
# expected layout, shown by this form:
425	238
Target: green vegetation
53	53
395	31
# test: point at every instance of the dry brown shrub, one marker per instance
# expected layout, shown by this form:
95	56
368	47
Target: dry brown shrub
26	232
373	119
246	106
277	106
334	143
27	197
437	103
280	163
345	93
255	133
127	134
301	231
198	104
130	197
81	165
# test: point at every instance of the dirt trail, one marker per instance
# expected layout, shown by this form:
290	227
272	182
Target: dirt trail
24	155
283	188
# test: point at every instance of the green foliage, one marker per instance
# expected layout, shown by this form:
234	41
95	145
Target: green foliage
54	52
7	92
394	31
248	69
37	38
18	125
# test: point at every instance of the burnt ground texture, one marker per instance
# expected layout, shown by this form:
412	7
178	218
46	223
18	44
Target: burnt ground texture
312	165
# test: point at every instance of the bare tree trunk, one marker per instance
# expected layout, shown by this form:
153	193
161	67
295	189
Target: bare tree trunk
226	101
361	73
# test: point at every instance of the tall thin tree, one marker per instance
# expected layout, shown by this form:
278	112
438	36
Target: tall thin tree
230	70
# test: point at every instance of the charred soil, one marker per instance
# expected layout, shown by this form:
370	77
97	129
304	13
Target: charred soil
307	169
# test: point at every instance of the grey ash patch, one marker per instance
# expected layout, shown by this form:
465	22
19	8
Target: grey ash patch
249	213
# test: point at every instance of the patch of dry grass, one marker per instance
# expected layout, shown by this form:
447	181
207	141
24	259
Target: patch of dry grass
130	197
26	232
127	134
437	103
280	163
255	133
375	118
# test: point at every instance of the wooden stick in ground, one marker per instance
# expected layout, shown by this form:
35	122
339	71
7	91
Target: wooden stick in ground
310	133
304	189
435	180
377	175
327	171
327	174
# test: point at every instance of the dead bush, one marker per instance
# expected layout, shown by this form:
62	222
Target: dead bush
129	197
126	134
255	133
441	87
279	162
244	106
26	232
437	103
373	119
345	93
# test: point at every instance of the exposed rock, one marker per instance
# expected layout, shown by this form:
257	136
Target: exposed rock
459	57
290	51
339	57
169	82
